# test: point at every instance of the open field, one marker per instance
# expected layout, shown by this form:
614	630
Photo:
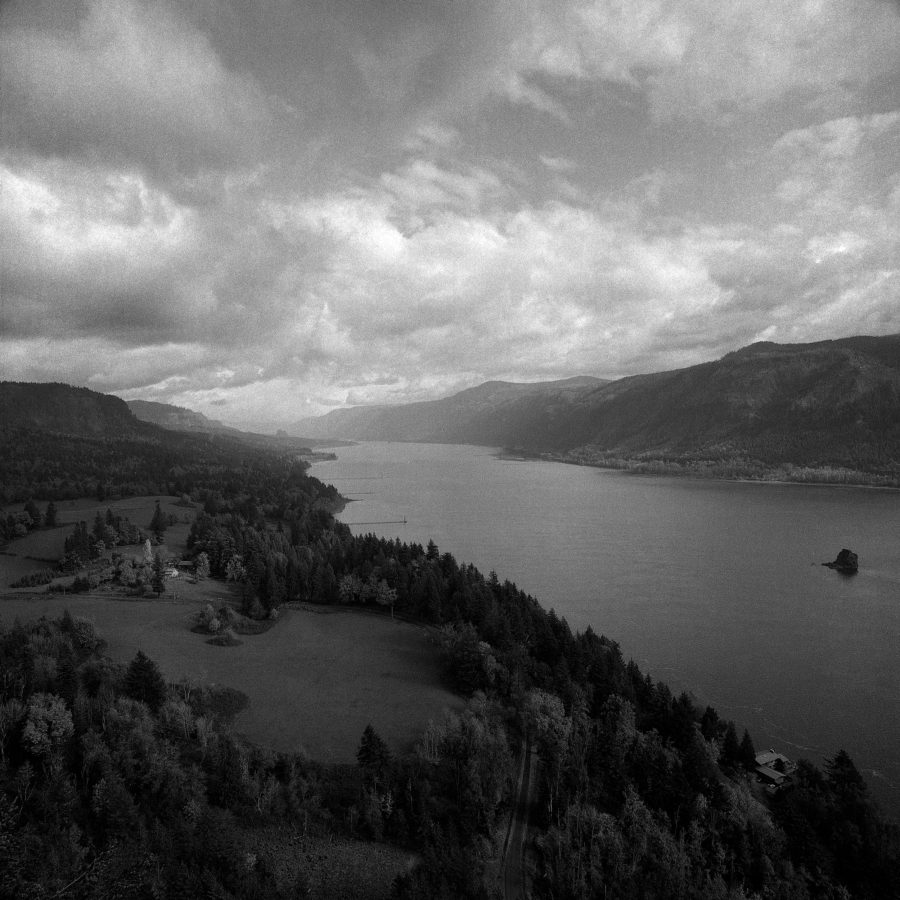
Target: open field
43	544
13	567
314	681
138	509
25	555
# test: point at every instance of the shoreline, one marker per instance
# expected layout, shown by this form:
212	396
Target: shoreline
637	468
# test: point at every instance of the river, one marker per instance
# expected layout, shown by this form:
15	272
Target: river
714	587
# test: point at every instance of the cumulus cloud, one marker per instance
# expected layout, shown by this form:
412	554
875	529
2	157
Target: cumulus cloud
468	192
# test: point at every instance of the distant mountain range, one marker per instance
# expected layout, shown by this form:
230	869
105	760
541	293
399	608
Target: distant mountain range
176	418
488	414
826	404
828	410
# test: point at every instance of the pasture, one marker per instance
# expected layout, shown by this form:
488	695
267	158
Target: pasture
41	548
314	681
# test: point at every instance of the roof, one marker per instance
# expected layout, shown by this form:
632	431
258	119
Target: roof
769	757
770	774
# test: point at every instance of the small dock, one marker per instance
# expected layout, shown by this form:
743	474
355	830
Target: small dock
382	522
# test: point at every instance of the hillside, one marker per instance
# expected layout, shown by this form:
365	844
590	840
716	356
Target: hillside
67	442
63	409
176	418
116	782
832	403
486	414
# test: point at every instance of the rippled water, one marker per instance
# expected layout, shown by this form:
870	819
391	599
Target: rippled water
714	587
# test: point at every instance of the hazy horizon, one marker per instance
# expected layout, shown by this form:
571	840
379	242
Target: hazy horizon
265	211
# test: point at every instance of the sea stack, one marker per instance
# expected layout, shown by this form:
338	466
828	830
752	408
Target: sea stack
847	562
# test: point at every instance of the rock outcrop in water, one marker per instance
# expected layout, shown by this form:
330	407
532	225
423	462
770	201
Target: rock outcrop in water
847	562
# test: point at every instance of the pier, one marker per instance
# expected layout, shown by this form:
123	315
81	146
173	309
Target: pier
383	522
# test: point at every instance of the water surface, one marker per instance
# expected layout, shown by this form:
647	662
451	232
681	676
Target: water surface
714	587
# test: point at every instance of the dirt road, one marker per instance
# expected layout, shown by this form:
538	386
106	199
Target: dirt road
513	860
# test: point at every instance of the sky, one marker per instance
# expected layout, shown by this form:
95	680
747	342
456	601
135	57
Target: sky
264	211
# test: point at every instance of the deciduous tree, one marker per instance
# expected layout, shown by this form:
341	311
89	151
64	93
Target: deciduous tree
48	725
201	565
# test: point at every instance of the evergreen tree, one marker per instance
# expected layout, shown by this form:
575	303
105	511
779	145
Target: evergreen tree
144	681
709	724
34	512
50	515
158	523
158	581
747	751
843	775
373	755
731	749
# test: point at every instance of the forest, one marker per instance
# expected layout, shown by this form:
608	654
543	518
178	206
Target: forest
116	783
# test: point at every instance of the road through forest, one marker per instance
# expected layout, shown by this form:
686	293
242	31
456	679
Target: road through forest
514	854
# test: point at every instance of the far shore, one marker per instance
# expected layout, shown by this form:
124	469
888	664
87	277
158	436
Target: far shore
635	466
675	470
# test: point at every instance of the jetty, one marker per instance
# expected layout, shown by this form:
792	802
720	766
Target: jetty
382	522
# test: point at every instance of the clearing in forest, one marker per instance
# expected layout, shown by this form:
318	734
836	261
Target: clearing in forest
314	681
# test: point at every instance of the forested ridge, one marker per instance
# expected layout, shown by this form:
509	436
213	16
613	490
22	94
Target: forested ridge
826	411
114	783
59	442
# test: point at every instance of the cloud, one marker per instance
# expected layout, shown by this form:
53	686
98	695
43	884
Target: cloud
79	240
702	58
558	163
435	276
839	164
129	82
484	289
839	181
292	207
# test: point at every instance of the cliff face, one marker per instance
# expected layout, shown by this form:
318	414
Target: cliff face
827	403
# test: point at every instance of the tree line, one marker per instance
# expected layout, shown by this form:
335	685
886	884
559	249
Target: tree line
127	784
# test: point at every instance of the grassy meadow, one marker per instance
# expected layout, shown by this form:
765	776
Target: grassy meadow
42	548
314	681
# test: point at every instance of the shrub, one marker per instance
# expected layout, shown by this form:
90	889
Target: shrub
34	578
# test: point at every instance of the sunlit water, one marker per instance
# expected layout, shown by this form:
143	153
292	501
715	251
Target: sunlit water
714	587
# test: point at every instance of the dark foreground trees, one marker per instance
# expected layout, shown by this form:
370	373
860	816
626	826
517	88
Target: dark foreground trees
112	783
